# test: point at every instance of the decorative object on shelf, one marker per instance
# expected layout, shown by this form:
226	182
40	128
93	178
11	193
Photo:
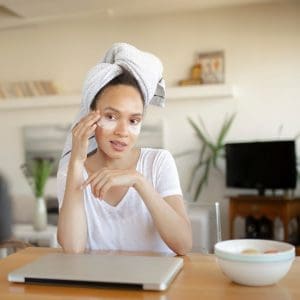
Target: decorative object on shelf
209	155
23	89
208	69
195	75
212	67
37	173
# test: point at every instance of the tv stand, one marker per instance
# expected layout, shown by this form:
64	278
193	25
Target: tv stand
271	207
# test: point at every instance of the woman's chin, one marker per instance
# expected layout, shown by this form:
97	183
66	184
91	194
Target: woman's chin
115	154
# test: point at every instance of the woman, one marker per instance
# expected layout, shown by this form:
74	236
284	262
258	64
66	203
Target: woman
112	195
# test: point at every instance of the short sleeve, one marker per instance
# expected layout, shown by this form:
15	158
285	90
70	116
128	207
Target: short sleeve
61	184
167	180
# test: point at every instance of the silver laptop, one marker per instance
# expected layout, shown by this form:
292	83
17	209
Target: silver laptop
98	270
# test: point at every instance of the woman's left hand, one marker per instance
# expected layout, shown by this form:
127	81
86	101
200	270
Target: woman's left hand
101	181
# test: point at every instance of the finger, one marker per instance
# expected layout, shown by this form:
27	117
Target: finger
84	133
86	124
97	186
90	116
91	178
88	181
105	188
91	131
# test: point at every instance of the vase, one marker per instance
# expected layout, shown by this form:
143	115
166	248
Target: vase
40	214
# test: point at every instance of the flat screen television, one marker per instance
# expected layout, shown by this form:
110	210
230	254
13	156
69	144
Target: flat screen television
261	165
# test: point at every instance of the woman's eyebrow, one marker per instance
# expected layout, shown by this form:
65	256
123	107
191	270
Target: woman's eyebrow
117	111
111	108
137	115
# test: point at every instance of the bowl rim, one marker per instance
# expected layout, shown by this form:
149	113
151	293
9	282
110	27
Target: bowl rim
281	256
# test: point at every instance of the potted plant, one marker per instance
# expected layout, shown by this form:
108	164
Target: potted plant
37	172
209	154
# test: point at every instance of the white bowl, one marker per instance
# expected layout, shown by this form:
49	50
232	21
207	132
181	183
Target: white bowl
257	268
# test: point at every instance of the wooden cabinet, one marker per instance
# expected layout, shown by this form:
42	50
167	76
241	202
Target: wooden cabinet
268	206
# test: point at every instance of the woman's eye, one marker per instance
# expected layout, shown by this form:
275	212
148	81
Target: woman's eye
110	117
135	122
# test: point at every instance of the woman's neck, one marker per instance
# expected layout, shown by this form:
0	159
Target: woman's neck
100	160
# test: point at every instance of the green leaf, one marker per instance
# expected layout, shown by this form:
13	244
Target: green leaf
202	152
203	179
37	174
200	134
194	171
204	127
210	152
224	130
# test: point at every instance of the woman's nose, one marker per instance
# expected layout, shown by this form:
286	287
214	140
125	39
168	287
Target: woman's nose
122	128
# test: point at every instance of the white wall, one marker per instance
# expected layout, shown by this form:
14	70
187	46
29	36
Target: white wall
261	43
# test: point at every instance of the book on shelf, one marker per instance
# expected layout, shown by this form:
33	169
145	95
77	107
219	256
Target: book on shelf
23	89
2	95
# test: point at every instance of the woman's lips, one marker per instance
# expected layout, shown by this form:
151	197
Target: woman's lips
118	146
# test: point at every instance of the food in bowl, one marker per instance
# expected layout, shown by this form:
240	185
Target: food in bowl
254	262
250	251
255	251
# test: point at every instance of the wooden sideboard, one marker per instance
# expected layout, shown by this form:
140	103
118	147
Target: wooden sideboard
271	207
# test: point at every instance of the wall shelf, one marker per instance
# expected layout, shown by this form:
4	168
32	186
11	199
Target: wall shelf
199	92
173	93
40	102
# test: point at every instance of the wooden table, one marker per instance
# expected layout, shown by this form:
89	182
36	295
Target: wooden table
200	278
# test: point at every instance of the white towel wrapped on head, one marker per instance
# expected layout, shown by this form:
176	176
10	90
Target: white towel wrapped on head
145	68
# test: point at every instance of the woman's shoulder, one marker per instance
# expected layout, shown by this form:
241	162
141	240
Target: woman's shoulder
154	151
155	154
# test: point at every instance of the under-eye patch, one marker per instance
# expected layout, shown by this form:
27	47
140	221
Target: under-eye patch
107	123
111	124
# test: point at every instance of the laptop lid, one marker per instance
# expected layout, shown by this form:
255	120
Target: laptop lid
145	272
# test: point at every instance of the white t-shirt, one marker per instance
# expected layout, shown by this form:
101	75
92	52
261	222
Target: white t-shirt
129	225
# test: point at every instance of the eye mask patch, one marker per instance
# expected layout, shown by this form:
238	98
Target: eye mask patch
109	124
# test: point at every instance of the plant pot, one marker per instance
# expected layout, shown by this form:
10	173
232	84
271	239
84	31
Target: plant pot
40	214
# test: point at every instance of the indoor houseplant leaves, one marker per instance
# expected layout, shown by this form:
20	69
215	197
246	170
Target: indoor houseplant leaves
210	152
37	171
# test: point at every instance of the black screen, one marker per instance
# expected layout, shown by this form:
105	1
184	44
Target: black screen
261	165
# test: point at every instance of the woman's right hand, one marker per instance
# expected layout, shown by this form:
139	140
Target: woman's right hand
81	133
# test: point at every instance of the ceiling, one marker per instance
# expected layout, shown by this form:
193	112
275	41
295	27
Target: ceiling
20	13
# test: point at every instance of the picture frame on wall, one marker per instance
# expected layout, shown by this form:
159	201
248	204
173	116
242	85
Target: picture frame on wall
212	67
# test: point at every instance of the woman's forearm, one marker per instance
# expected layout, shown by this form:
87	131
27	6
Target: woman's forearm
173	227
72	225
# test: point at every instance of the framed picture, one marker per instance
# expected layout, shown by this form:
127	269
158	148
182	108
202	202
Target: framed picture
212	66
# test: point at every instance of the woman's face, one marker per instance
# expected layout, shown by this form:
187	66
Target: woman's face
121	109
